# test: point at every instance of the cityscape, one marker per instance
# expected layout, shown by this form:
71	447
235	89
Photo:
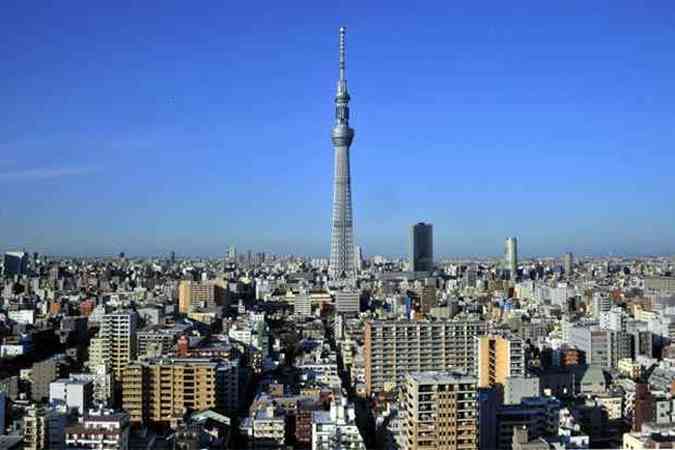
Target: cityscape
345	348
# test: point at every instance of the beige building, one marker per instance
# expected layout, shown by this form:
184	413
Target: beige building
394	348
439	412
160	390
198	294
499	357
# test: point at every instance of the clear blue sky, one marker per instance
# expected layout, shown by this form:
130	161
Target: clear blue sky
156	126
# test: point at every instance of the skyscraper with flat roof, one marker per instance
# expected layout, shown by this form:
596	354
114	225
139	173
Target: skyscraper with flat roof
511	256
421	247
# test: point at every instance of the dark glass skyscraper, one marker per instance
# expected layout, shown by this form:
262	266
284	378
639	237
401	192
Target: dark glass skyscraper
342	239
421	247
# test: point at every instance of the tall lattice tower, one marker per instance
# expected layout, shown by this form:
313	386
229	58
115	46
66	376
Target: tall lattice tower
342	238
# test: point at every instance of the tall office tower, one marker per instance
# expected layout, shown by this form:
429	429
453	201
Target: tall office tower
232	254
568	261
16	263
342	239
439	411
511	256
393	348
118	341
159	391
421	247
358	258
499	357
172	258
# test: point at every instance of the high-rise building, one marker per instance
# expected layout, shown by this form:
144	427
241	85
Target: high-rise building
16	263
347	302
160	390
342	238
421	247
358	258
439	411
394	348
568	261
499	357
117	343
511	256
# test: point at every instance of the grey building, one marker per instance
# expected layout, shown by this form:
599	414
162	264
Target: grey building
44	372
347	302
421	247
518	388
511	256
568	261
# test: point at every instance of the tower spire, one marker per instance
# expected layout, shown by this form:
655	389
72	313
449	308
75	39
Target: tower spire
342	239
342	53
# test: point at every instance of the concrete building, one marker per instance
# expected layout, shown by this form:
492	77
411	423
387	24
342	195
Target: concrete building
99	429
521	441
516	388
540	415
117	345
568	262
499	357
440	411
393	348
160	390
421	247
302	305
44	428
511	257
75	394
336	428
200	294
44	372
347	302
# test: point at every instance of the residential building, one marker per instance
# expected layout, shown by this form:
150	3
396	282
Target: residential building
393	348
160	390
499	357
439	411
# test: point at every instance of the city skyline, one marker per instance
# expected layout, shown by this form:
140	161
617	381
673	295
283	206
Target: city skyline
178	138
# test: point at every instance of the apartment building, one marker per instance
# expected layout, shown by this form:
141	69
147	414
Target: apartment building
394	348
116	343
160	390
499	357
439	411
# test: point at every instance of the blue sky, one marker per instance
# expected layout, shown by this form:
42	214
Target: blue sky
157	126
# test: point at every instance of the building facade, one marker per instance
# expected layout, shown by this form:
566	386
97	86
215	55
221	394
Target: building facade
393	348
440	411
